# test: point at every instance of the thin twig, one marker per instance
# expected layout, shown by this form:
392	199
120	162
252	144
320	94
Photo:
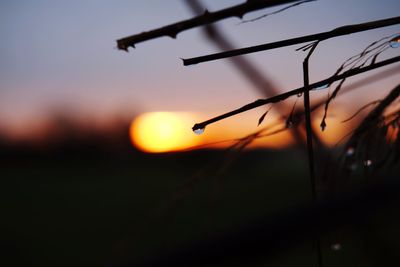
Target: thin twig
344	30
208	17
276	12
361	109
283	96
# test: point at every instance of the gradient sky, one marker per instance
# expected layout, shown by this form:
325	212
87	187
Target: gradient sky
60	56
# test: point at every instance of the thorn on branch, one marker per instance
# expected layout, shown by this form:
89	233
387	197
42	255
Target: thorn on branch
206	18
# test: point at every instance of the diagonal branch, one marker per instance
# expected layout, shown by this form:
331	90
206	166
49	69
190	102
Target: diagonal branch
344	30
208	17
299	114
281	97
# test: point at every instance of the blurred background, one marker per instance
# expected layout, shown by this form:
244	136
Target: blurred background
99	164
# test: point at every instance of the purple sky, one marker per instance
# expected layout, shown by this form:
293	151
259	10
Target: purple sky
61	56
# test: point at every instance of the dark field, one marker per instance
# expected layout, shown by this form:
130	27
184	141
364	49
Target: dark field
104	209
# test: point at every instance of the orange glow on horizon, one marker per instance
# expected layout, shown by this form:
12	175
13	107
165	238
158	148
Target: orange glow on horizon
158	132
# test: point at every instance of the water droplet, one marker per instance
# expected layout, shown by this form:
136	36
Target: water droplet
299	94
350	151
289	124
199	131
321	87
367	163
336	246
395	42
352	166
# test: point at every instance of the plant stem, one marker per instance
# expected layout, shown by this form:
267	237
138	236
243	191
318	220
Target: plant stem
307	112
310	149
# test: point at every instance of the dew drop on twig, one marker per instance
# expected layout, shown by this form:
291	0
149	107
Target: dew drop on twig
199	131
352	167
289	124
350	151
321	87
336	246
299	94
367	163
395	42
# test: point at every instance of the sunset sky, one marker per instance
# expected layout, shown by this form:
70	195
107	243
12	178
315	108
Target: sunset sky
61	56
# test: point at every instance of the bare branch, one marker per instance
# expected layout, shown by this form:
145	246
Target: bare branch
208	17
344	30
281	97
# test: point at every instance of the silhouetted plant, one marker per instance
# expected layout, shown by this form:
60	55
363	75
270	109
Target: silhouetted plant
373	143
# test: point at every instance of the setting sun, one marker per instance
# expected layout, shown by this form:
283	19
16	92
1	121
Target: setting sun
159	132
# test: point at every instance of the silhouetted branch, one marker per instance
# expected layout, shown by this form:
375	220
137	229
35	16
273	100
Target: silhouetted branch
315	106
208	17
344	30
281	97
